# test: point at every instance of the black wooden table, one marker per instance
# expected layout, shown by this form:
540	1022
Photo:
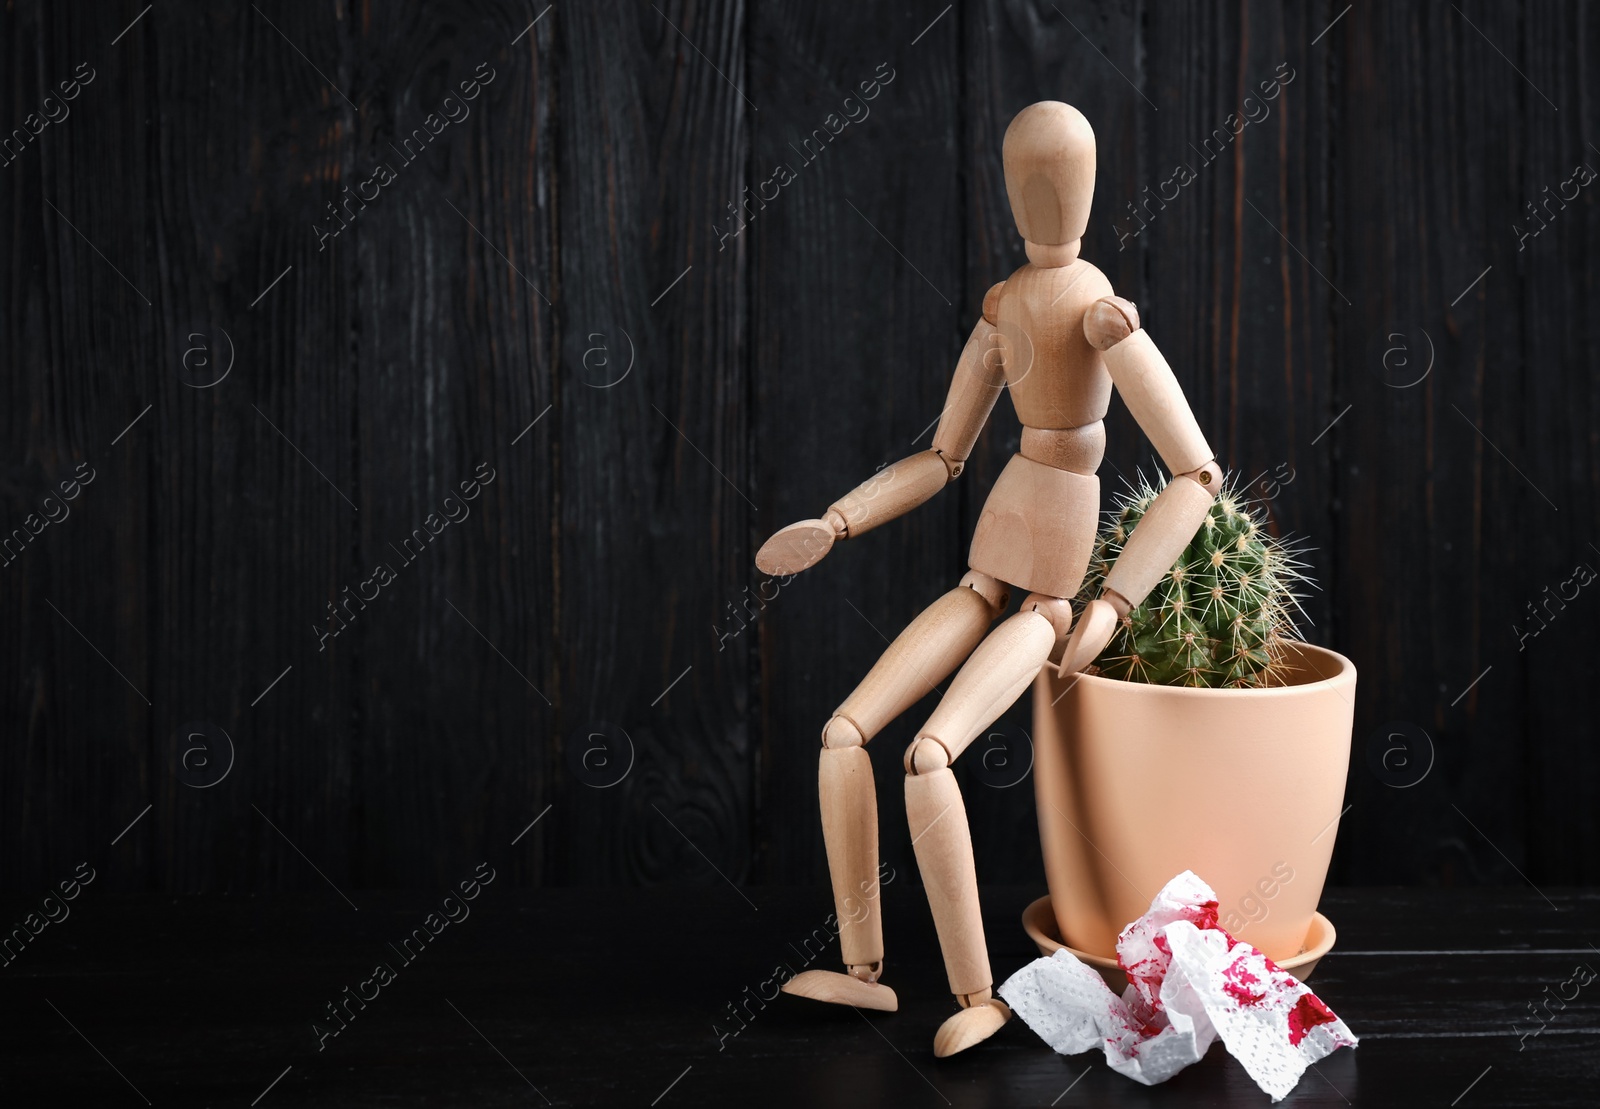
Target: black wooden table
625	997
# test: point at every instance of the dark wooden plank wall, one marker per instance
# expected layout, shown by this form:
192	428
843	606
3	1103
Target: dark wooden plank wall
557	289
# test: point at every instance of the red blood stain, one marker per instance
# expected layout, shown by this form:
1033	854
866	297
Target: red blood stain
1241	984
1307	1013
1143	968
1143	1029
1208	916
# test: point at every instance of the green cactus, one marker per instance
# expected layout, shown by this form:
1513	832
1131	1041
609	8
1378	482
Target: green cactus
1221	616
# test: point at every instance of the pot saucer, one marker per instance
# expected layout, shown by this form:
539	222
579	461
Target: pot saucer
1040	924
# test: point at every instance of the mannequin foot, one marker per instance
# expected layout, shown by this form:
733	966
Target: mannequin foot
970	1026
859	988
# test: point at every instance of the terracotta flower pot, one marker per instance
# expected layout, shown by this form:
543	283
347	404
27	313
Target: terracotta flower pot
1137	783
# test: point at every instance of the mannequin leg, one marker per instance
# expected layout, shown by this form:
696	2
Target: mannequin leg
931	647
998	672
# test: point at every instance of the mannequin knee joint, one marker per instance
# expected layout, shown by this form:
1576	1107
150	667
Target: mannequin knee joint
925	755
841	732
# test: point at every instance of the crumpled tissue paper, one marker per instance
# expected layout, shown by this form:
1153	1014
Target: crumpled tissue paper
1189	982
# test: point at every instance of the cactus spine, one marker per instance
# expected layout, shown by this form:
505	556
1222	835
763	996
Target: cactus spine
1222	614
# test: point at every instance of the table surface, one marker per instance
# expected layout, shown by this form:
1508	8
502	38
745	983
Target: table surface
622	997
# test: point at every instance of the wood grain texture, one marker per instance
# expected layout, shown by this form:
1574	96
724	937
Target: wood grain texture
654	472
871	225
571	286
1455	442
212	1014
456	356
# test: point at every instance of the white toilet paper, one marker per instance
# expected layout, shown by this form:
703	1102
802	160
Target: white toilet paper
1190	982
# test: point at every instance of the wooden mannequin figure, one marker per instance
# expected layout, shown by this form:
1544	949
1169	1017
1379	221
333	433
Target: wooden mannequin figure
1053	335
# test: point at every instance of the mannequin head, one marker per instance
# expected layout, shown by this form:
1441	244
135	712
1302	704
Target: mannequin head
1049	162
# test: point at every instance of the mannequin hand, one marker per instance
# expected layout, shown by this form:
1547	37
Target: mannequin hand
1094	629
798	546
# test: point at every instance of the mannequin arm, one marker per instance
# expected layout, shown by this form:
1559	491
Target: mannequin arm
897	489
1150	389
